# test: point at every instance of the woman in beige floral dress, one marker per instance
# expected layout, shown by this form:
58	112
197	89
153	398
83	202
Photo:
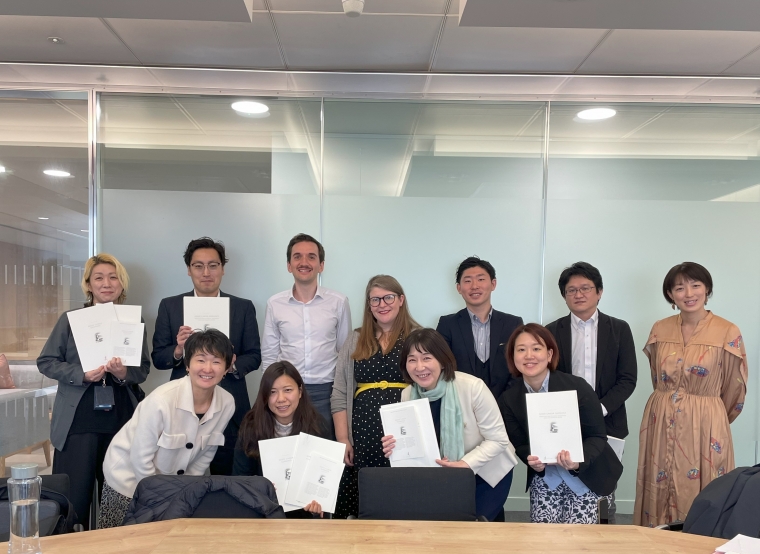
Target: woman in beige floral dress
699	372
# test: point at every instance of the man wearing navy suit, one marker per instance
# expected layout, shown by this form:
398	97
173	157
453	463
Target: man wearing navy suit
597	347
205	260
478	334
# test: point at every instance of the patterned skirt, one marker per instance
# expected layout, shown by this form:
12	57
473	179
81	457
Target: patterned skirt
113	508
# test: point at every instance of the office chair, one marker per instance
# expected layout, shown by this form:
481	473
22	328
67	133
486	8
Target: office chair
417	493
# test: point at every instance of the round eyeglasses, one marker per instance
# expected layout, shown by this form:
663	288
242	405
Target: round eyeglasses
389	299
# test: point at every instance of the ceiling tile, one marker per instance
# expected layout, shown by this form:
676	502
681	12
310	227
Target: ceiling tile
669	52
513	49
194	43
394	43
370	6
85	40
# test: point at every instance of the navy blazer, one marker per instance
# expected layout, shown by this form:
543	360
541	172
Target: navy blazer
616	366
601	468
457	330
244	331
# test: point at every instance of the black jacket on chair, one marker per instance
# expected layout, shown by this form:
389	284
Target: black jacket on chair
615	366
457	330
601	468
244	335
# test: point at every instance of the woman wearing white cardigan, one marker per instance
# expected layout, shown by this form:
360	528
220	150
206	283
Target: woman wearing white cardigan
467	420
175	430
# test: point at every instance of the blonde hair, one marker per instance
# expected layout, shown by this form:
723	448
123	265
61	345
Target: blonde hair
121	274
368	345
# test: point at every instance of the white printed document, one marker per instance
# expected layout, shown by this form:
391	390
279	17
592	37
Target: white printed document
202	313
320	481
276	461
554	424
127	313
126	342
329	452
411	424
618	446
91	328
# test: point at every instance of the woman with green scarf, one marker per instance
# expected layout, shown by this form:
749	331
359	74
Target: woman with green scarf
467	421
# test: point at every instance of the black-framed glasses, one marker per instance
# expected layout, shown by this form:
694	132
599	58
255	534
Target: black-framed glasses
584	290
389	299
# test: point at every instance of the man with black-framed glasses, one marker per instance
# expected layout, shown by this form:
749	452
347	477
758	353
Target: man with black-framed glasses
596	347
205	260
307	324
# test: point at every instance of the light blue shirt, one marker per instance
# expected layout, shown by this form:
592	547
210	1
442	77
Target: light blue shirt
554	474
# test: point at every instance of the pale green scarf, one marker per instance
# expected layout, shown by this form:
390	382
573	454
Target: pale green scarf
452	427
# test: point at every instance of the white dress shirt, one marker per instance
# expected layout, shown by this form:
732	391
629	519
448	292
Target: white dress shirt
307	334
584	336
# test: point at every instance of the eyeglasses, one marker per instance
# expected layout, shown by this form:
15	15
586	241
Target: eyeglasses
584	290
212	266
389	299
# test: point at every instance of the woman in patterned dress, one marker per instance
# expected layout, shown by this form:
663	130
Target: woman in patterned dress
699	373
367	376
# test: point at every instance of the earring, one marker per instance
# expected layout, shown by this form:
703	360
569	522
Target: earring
673	306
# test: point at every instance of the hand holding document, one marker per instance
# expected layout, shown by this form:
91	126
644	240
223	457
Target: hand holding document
315	473
411	424
276	461
100	334
201	313
554	424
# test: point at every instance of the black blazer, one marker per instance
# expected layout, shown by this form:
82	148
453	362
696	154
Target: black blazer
244	331
615	366
601	468
457	330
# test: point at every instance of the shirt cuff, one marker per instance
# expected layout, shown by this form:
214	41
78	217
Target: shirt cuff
604	411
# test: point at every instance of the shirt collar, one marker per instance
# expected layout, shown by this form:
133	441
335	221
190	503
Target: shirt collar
319	293
185	399
577	322
544	385
218	293
475	318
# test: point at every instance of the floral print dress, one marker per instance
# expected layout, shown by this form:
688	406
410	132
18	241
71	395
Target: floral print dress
685	440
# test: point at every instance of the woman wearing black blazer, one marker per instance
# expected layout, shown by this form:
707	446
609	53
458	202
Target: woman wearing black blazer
568	491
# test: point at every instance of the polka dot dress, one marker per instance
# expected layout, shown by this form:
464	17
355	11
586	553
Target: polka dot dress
366	427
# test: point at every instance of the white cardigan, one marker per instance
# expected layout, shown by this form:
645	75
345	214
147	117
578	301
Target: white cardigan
488	451
165	437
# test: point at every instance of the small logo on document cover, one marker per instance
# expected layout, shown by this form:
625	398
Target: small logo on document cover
287	474
402	430
321	480
553	427
98	337
126	341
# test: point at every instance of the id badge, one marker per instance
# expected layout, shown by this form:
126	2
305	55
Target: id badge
104	398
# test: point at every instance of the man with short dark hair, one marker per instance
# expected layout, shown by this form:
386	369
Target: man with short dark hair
478	333
596	347
307	324
205	260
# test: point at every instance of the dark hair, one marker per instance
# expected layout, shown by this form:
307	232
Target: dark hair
686	270
204	242
210	341
258	423
584	270
541	334
474	261
430	341
303	237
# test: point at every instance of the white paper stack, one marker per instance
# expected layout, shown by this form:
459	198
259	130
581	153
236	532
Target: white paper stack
303	468
411	424
106	331
554	424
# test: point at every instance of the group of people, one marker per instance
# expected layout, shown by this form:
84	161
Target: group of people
476	368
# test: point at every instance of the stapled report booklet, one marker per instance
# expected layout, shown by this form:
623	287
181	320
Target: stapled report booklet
411	424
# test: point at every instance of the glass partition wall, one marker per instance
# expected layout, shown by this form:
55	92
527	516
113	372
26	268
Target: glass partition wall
407	188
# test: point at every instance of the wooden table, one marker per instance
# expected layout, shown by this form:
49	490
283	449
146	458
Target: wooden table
232	536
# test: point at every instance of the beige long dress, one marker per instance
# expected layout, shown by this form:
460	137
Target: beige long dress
685	439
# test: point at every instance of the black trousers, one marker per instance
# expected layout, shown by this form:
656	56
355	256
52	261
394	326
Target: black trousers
82	460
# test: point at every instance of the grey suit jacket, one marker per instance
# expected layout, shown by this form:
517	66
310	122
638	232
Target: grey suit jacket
59	360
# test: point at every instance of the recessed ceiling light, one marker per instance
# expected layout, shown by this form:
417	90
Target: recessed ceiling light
2	169
43	218
249	107
85	230
595	114
56	173
56	40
